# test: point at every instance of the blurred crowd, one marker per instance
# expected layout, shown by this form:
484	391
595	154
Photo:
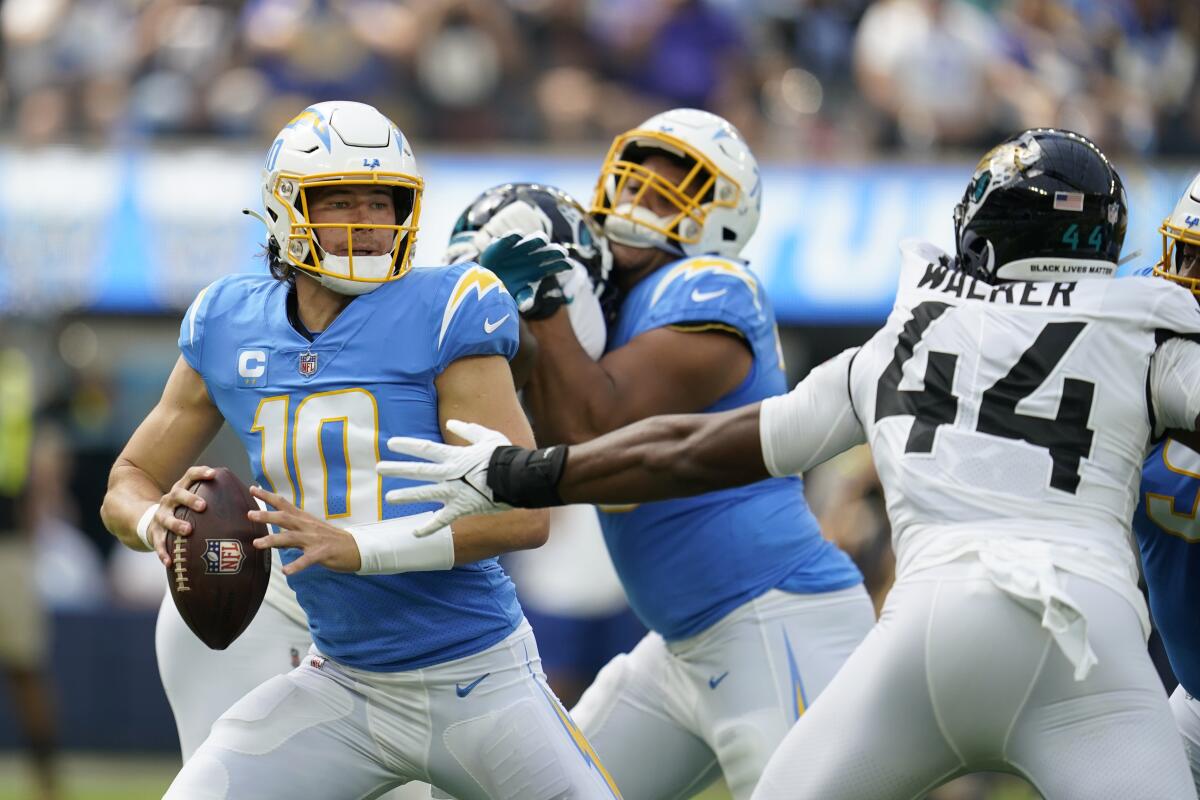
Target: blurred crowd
812	78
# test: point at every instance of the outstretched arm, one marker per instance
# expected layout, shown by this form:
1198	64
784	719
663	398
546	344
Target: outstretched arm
654	459
663	457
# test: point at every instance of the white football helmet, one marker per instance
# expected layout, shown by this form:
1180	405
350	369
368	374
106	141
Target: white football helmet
717	202
334	144
1182	227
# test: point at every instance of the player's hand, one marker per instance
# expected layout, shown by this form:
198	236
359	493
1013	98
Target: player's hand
516	217
460	472
524	262
164	518
321	542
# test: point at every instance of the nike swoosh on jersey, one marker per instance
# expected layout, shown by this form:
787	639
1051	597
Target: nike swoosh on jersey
490	327
715	682
699	296
463	691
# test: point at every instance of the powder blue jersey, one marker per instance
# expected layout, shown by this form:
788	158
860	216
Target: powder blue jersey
315	417
687	563
1168	533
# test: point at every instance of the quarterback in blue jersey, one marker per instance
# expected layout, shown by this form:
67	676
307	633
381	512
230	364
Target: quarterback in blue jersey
422	666
751	611
1167	522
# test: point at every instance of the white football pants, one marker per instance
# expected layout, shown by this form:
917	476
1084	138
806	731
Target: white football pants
1187	716
671	717
483	727
958	677
201	683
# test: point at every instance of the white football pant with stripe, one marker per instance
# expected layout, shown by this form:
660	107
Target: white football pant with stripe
669	718
483	727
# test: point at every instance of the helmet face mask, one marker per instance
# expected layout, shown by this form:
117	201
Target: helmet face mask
1181	229
1043	205
712	207
341	144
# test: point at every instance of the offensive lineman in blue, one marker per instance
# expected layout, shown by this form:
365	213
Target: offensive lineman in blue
423	667
751	611
1167	520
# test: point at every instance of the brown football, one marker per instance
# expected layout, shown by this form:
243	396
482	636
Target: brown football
217	576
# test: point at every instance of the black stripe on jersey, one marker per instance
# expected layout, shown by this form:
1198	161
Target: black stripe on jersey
1154	438
1162	335
850	390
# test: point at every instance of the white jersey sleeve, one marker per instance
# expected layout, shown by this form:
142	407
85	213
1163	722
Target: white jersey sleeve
1175	384
813	422
583	310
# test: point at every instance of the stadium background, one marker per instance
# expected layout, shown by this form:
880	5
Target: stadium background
132	133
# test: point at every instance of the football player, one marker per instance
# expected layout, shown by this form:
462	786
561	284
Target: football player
567	587
422	667
1008	401
751	611
1166	520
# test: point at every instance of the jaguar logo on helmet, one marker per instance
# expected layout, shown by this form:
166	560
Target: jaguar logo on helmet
1043	204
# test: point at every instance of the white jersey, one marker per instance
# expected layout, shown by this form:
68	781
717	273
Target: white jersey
1007	414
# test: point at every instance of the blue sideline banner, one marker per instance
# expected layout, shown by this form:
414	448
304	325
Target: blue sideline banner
144	231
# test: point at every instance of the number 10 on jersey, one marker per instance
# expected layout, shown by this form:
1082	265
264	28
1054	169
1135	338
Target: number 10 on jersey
325	451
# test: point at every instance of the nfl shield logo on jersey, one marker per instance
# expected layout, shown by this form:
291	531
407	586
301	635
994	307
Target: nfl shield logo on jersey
308	364
223	557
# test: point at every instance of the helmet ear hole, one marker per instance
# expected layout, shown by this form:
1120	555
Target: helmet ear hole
728	235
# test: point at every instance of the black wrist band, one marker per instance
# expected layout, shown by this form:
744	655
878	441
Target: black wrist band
527	478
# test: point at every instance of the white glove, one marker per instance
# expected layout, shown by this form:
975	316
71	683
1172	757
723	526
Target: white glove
516	217
460	474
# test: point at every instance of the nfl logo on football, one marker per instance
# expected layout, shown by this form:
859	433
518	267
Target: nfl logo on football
223	557
308	364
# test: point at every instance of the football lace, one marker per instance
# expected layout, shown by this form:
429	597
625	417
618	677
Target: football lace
181	576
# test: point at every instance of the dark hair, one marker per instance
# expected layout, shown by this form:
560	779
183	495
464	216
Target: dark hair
281	270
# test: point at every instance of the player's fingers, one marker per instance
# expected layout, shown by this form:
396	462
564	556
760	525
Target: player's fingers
160	549
280	519
438	521
180	496
418	448
475	433
272	498
534	241
199	472
415	470
166	519
303	562
284	538
430	493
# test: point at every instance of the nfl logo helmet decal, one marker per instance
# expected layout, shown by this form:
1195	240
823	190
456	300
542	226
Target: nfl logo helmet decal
308	364
223	557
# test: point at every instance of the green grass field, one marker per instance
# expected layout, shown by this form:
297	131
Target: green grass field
101	777
96	777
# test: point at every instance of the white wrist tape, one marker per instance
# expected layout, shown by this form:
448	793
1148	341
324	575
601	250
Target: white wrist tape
389	547
143	526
